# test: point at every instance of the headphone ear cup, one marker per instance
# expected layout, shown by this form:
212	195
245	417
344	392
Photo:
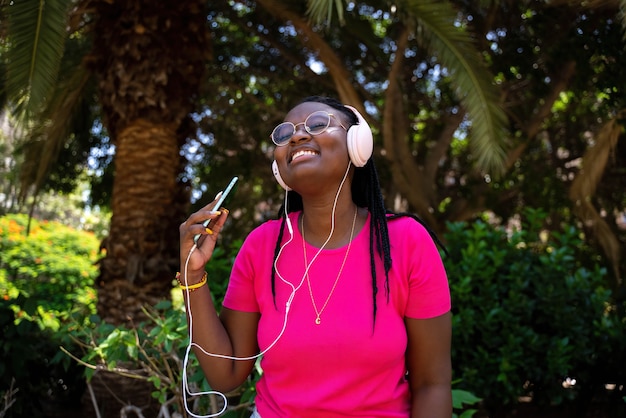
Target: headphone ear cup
277	176
360	140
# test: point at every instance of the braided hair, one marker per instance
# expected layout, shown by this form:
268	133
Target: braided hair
366	192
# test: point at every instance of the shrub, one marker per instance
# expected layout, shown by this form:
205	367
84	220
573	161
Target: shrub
53	268
154	351
44	277
529	312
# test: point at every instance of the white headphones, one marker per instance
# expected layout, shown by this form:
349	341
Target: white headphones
360	146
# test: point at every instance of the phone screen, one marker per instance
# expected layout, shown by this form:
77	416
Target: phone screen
225	194
219	203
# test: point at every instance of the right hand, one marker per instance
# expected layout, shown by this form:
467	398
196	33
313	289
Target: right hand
206	244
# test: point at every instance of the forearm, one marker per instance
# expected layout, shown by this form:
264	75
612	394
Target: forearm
433	401
209	335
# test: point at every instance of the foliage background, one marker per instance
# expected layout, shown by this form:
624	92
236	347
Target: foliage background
531	310
47	272
156	106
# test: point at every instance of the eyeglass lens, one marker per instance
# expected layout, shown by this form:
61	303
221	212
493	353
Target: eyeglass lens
314	124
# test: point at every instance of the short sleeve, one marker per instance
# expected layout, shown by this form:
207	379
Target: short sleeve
428	288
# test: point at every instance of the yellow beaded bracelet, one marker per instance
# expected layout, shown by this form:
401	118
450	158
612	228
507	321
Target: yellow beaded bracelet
192	287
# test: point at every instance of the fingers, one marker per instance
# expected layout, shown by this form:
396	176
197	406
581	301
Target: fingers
202	223
203	216
214	224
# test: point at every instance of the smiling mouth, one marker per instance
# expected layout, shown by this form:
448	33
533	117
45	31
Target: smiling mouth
302	153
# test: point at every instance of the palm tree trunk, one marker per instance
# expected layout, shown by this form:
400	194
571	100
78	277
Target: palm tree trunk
150	59
137	267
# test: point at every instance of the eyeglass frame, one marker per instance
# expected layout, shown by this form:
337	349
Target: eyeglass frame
295	127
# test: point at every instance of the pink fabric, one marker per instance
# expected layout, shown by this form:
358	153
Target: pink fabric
344	366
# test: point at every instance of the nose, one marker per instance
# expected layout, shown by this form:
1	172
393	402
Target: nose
300	132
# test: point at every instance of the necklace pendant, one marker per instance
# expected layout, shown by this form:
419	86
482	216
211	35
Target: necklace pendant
308	265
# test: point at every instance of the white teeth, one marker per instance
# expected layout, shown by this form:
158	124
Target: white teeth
302	153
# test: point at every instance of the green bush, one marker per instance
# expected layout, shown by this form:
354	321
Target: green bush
530	310
154	351
44	278
150	351
53	268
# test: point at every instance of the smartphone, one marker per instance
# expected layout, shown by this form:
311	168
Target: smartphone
219	203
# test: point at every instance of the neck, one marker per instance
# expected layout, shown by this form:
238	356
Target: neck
328	214
318	224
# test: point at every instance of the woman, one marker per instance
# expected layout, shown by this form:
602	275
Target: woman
348	305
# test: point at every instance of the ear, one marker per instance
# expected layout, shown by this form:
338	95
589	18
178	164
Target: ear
360	140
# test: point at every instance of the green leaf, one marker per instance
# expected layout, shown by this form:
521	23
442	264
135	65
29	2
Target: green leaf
440	32
468	414
156	381
321	12
37	34
462	397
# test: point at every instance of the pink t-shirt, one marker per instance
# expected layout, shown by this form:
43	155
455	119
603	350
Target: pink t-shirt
345	366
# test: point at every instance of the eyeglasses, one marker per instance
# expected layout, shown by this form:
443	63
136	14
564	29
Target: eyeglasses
315	124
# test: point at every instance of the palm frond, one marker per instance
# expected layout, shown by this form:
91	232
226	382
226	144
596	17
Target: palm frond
67	116
321	11
440	33
36	33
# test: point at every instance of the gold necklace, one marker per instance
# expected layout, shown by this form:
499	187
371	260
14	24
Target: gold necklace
306	263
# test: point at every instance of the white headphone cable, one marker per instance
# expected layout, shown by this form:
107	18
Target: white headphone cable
332	230
294	289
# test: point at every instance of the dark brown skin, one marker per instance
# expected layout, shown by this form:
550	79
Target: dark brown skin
316	176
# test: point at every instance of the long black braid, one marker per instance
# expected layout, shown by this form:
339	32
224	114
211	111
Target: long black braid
366	192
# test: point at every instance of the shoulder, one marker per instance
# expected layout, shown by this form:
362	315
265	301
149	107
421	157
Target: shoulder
264	232
409	233
406	227
267	233
267	227
261	240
